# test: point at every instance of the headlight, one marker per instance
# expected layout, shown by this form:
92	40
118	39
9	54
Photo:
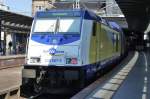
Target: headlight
35	59
71	61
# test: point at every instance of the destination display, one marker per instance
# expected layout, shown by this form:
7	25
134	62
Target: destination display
58	14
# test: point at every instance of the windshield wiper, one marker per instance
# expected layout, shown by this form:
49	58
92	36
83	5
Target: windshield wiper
57	25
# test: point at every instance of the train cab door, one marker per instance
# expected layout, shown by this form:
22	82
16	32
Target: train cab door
93	45
98	31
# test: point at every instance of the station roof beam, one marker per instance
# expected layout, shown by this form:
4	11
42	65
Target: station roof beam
137	13
14	21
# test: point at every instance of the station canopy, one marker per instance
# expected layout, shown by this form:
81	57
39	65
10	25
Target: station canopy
14	22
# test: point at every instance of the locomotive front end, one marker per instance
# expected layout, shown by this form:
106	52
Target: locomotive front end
53	56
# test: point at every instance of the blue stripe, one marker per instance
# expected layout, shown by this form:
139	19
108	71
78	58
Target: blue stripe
55	39
101	65
58	13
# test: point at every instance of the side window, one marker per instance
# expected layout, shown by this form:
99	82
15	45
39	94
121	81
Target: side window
117	42
94	29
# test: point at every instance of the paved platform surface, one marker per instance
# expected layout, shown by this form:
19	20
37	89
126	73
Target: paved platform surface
10	77
11	61
12	56
132	81
137	84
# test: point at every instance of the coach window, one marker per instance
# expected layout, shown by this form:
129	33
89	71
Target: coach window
117	42
94	29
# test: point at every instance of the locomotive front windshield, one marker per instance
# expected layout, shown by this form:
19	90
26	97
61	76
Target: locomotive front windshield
58	25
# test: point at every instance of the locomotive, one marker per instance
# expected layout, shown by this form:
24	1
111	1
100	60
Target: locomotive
68	47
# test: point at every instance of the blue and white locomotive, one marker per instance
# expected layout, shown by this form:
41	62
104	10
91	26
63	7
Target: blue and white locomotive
68	47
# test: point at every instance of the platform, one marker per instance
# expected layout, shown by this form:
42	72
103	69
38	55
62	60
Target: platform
129	80
11	61
137	83
10	77
10	81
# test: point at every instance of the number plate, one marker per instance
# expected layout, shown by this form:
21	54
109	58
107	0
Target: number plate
56	60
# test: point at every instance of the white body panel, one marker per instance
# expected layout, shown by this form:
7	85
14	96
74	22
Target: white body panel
42	51
85	44
78	49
